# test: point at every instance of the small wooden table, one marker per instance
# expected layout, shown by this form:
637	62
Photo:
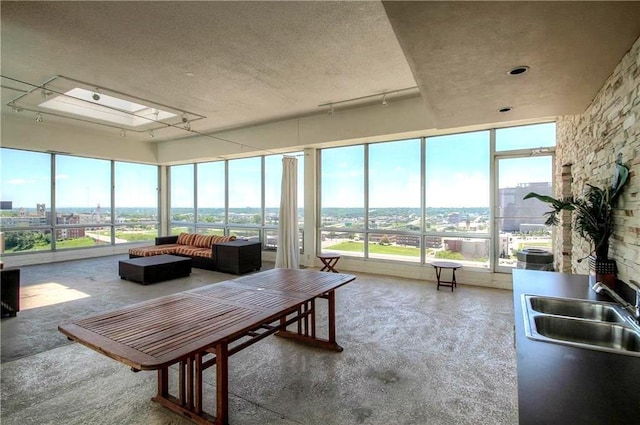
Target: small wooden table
329	261
439	265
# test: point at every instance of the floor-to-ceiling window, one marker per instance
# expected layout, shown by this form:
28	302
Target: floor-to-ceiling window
239	197
342	214
136	202
83	201
245	197
182	199
427	199
211	213
25	191
457	189
393	200
524	163
411	200
55	202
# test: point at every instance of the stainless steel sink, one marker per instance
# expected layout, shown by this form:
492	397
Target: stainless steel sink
586	324
585	332
582	309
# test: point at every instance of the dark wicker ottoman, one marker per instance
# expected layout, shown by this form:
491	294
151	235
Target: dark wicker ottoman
156	268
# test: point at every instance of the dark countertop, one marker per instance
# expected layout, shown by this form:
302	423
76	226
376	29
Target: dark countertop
559	384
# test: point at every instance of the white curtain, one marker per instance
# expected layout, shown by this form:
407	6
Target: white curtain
288	254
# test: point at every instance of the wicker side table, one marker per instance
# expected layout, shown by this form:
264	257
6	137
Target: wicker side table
238	256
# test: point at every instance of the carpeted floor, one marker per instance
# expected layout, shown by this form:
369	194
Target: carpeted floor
412	355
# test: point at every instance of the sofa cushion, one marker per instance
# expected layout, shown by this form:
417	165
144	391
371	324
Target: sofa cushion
147	251
207	241
186	238
202	241
222	239
194	251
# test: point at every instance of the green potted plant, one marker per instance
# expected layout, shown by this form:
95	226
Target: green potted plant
592	214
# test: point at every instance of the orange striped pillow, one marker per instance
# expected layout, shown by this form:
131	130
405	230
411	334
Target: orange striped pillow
186	238
222	239
202	241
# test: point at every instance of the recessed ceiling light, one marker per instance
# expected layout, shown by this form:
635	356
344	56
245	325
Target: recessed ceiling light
505	109
189	74
518	70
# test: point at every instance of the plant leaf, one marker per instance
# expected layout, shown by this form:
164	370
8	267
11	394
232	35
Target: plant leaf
621	178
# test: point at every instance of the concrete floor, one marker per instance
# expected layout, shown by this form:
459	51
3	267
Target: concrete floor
412	355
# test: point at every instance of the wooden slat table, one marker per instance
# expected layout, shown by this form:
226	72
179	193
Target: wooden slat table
200	328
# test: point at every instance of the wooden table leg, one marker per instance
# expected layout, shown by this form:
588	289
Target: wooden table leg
197	403
222	384
313	317
163	382
182	383
313	340
190	389
190	383
331	299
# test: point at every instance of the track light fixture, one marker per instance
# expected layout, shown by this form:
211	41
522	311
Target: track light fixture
373	98
151	135
123	133
331	110
185	121
39	117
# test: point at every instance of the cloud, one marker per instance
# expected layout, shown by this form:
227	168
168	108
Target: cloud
17	181
62	176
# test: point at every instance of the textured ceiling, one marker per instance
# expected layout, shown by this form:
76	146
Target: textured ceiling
460	53
252	61
264	61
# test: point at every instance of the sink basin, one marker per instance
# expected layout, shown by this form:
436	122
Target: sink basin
594	325
606	335
583	309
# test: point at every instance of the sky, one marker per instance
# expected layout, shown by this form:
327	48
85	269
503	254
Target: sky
457	168
79	182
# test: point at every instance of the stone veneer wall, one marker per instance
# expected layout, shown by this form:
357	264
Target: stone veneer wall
587	147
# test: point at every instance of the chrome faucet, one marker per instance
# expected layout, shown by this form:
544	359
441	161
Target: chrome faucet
600	287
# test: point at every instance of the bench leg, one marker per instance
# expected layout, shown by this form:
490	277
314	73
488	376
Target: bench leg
190	388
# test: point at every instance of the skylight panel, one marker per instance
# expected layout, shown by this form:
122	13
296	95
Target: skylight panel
107	108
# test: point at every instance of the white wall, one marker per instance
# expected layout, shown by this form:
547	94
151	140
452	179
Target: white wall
21	131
